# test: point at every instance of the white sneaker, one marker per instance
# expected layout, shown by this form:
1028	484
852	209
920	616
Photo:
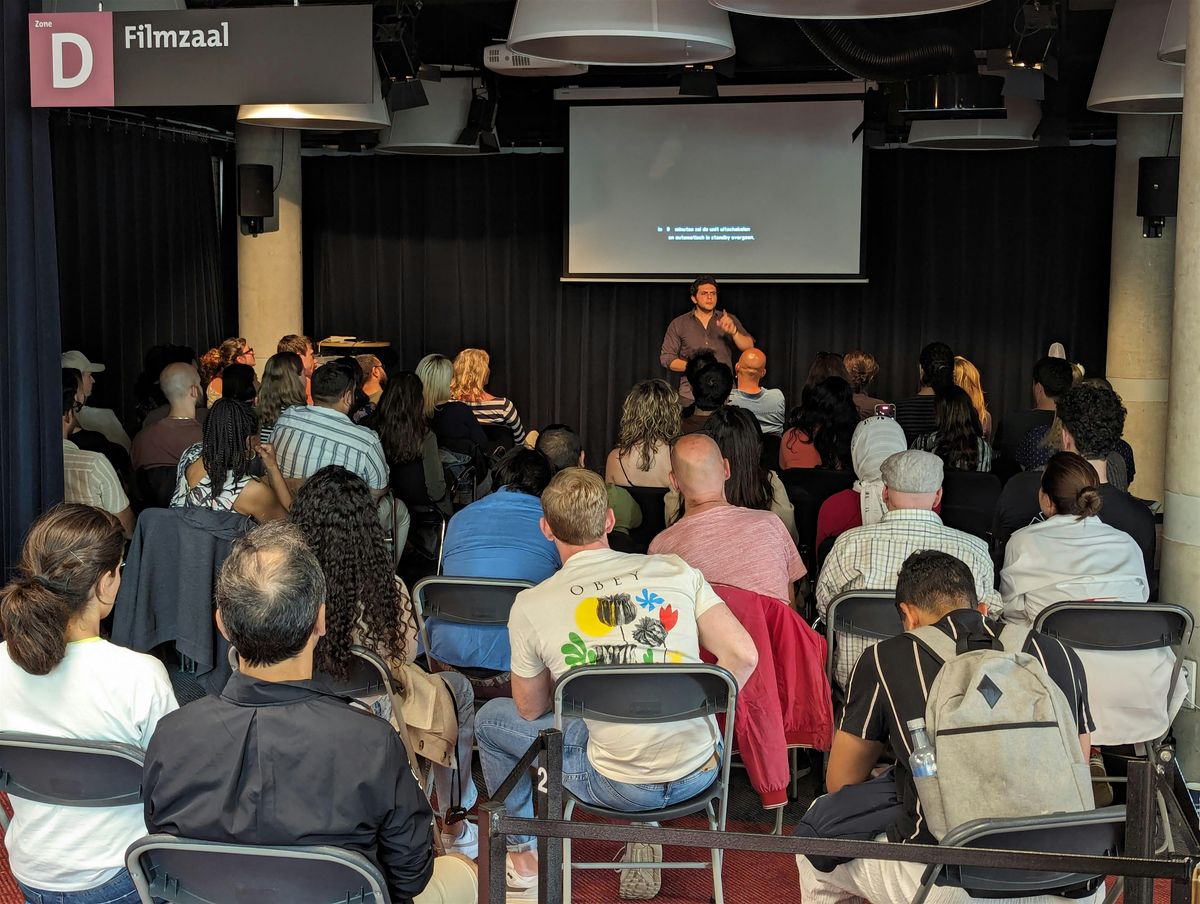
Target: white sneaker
466	844
519	888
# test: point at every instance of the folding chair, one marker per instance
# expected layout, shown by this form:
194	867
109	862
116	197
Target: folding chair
69	772
464	601
1092	832
969	502
868	614
651	695
203	872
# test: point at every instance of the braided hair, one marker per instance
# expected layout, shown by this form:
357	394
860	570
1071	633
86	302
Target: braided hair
226	448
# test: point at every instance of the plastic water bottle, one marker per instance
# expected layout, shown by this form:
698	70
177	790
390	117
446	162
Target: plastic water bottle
923	762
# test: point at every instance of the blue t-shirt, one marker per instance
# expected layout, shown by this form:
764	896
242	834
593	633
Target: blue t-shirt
496	537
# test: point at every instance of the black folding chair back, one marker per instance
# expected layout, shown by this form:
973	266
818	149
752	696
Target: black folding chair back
1093	832
1111	625
70	772
864	613
188	871
500	438
369	676
969	501
654	519
466	601
807	489
155	486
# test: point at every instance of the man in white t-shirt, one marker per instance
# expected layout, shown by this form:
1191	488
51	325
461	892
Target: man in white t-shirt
604	607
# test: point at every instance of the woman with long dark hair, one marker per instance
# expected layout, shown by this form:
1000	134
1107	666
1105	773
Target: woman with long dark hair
958	440
282	387
216	473
410	447
818	431
58	677
367	604
935	370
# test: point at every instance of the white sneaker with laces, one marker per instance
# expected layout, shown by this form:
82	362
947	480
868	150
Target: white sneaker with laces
519	888
466	844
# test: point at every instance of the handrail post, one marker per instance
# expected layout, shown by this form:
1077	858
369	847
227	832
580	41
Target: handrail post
550	850
1142	810
492	850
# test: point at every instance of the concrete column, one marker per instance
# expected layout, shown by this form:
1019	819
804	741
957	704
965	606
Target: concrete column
1140	293
270	266
1181	525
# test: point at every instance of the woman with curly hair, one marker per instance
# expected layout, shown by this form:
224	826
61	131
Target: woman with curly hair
232	351
366	604
282	387
410	447
650	422
472	367
818	431
861	371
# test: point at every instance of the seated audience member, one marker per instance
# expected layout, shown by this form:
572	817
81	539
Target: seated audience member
88	477
874	440
361	407
240	383
496	537
1051	378
869	557
58	677
282	387
563	448
162	444
1072	554
966	378
216	473
729	545
472	368
958	440
1043	441
304	348
932	588
634	609
767	405
374	377
711	383
862	369
232	351
309	437
935	369
453	422
819	429
366	604
409	446
649	424
824	366
347	784
149	401
99	420
94	440
1092	421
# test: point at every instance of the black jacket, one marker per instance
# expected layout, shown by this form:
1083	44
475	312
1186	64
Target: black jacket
290	764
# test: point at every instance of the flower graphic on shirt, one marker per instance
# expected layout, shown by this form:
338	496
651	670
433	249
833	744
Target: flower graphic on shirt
648	600
576	652
650	632
668	616
616	611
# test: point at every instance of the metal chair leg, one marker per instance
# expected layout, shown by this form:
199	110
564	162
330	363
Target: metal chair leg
717	859
927	881
568	809
778	830
3	820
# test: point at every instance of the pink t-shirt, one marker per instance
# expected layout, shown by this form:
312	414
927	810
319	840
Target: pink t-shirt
738	546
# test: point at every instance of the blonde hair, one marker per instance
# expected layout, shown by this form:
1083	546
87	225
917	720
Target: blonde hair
575	504
282	386
436	373
649	419
862	368
966	376
470	374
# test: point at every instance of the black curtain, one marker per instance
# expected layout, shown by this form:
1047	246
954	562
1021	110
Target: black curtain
998	254
31	476
139	246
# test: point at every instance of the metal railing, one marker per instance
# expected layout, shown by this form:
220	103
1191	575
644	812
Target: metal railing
1140	867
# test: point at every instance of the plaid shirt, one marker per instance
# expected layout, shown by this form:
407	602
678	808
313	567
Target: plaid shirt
869	558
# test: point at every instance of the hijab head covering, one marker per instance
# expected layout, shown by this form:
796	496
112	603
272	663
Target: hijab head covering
874	440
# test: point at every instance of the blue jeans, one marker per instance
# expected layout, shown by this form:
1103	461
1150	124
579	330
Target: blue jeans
443	777
504	736
117	890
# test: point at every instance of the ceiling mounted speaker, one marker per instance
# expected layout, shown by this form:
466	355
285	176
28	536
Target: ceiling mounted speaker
433	129
1173	47
842	9
1130	78
1013	133
321	117
621	32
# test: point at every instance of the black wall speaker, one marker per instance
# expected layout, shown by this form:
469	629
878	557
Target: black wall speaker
1158	186
255	198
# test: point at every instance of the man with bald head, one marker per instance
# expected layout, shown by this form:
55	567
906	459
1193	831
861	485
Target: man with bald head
728	544
159	445
767	405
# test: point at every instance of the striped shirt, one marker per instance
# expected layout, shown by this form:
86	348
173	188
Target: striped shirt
308	437
498	412
869	558
89	479
890	686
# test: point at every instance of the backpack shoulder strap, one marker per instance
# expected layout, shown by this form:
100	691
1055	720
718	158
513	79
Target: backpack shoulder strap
1013	638
936	641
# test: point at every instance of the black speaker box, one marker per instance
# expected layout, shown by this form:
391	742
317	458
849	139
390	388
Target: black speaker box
1158	186
255	198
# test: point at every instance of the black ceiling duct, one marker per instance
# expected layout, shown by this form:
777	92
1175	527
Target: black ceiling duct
866	53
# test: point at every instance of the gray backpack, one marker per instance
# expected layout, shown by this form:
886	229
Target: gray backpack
1005	736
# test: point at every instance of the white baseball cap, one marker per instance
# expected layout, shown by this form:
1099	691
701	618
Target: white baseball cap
77	360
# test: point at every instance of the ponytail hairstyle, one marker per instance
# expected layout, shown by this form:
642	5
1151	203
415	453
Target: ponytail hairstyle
66	552
937	366
1072	484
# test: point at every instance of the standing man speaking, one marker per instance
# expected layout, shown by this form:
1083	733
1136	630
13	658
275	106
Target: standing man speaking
703	328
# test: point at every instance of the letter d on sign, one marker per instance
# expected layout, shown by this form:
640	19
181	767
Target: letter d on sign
57	41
